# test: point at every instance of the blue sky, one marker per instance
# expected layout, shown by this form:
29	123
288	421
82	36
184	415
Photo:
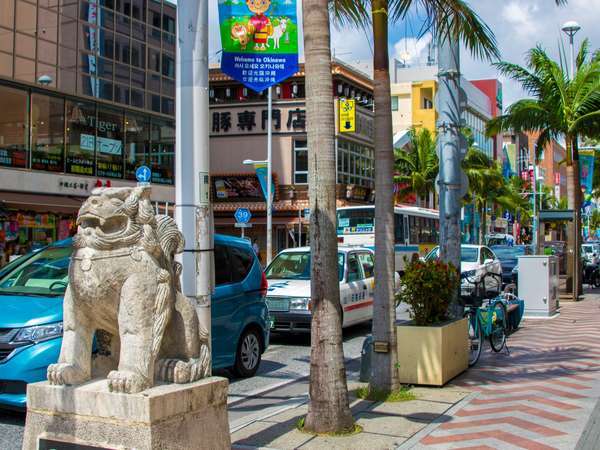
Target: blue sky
518	24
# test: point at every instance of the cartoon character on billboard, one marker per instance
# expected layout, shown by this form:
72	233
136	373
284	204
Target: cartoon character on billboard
259	25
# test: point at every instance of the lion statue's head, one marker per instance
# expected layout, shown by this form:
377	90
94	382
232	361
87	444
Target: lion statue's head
114	218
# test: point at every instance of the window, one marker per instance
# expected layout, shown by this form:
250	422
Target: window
109	143
122	51
162	151
354	270
107	44
366	260
168	65
13	127
398	229
154	59
138	54
241	263
300	162
81	137
122	94
168	21
394	103
137	143
47	133
167	106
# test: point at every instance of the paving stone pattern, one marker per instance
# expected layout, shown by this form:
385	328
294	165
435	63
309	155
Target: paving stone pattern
540	395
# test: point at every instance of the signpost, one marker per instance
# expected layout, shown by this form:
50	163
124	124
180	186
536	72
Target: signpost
143	174
260	49
347	112
242	217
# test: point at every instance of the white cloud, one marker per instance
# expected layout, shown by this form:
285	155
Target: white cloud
412	50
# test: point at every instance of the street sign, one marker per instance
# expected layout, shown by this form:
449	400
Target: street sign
242	215
143	174
307	213
347	111
242	225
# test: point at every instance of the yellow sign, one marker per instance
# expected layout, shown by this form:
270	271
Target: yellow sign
347	116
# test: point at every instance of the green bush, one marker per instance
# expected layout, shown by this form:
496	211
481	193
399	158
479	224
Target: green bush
428	287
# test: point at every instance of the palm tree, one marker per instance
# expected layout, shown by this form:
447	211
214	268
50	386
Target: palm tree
417	166
449	19
558	107
328	409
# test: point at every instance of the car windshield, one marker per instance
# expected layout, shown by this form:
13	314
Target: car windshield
467	254
46	273
296	266
587	249
509	252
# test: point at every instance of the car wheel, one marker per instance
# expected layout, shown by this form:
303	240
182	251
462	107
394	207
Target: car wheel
248	355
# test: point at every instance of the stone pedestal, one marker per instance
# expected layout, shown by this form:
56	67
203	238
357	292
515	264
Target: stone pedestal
170	416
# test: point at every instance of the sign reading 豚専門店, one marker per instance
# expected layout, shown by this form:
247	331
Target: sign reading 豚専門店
259	40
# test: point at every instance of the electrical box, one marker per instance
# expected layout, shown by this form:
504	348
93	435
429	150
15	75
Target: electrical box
538	284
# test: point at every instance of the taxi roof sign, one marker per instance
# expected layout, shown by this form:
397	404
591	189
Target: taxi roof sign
347	112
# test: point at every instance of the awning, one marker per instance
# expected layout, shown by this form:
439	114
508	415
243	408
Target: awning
41	203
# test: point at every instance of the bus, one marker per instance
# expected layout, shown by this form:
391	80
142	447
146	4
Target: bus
416	230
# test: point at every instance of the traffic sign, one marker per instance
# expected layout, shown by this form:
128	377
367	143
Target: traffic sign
242	225
307	213
242	215
143	174
347	116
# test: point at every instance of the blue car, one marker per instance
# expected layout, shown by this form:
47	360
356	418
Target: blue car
31	296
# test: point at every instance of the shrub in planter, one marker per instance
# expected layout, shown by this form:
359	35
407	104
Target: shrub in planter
428	287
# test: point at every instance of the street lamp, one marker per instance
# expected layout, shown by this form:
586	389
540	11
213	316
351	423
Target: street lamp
267	162
571	28
45	80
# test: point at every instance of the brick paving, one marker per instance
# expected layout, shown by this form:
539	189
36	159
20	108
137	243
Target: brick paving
538	396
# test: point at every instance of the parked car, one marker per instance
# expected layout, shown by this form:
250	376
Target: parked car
499	239
288	296
31	297
475	261
508	256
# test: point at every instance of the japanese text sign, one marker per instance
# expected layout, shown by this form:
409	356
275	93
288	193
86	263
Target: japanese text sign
347	116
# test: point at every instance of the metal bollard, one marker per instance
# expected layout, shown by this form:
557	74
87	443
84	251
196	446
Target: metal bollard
365	359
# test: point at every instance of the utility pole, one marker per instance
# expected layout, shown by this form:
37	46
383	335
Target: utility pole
451	151
192	210
269	175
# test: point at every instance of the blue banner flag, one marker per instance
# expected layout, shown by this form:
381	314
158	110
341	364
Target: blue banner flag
259	40
586	170
261	174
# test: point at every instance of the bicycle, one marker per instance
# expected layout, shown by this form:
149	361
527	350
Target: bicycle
485	320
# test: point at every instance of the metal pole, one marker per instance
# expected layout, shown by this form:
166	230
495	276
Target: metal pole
535	217
451	151
192	210
269	178
572	72
299	228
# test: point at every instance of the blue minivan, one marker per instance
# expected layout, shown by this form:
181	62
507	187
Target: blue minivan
31	294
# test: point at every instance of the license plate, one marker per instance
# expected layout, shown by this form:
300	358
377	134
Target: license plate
278	304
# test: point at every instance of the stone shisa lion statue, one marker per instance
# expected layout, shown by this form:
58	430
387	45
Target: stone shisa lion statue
123	279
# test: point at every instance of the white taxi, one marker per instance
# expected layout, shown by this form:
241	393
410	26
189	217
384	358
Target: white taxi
288	296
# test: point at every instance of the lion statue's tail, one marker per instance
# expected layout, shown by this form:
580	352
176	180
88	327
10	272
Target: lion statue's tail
172	242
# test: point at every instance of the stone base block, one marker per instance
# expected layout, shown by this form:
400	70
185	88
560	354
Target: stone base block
170	416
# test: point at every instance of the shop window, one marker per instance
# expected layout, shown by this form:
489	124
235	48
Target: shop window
300	162
13	127
81	137
109	143
47	133
137	143
162	152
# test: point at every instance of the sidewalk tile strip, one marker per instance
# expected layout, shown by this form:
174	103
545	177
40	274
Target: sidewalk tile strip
520	423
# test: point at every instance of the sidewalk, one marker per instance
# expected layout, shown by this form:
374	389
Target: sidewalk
540	396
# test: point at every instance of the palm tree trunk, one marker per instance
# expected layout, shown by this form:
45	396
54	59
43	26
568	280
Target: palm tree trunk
328	409
482	223
574	228
385	373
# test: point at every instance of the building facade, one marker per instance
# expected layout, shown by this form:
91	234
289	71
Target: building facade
413	105
239	132
88	94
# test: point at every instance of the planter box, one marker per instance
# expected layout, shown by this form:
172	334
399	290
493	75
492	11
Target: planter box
432	355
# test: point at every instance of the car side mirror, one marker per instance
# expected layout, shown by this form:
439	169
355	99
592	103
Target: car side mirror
488	261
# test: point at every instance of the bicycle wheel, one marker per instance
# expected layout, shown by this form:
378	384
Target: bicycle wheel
499	324
475	337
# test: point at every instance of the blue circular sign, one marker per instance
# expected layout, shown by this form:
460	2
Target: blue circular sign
242	215
143	174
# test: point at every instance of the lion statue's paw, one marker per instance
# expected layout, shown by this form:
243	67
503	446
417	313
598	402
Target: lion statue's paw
126	382
179	371
63	373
